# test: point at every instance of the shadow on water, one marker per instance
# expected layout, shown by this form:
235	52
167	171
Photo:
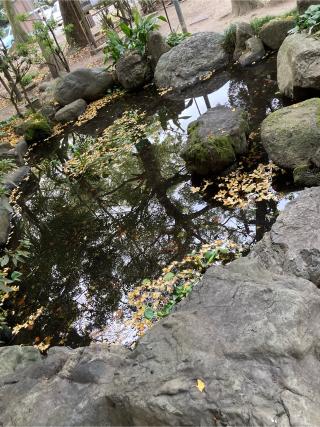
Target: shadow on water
95	239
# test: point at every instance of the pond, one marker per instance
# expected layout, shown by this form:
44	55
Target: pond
97	236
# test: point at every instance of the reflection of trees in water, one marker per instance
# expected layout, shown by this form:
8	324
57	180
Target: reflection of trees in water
95	238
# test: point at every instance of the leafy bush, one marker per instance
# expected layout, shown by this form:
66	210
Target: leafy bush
175	38
134	39
229	39
27	78
309	21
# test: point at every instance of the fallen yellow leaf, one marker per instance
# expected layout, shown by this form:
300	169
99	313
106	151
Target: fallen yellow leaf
201	385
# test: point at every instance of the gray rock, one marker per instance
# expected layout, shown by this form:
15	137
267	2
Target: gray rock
43	86
215	139
275	31
5	216
298	64
303	5
249	331
86	83
253	53
15	153
5	148
48	111
244	32
14	179
156	47
71	111
291	135
133	71
192	60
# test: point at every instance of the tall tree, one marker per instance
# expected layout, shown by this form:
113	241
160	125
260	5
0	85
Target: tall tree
241	7
72	14
19	33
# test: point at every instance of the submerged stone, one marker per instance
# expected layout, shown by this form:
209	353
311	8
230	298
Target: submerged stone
215	139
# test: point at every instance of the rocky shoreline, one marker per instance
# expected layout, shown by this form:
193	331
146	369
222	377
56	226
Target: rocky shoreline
249	332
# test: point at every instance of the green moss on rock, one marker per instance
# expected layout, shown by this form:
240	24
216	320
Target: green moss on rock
37	128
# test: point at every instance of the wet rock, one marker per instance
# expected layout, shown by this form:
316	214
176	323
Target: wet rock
253	53
88	83
244	32
302	5
5	216
21	149
291	137
133	71
192	60
231	332
156	47
48	111
14	179
298	64
4	149
71	111
215	139
275	31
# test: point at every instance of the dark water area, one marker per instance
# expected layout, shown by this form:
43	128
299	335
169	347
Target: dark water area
93	241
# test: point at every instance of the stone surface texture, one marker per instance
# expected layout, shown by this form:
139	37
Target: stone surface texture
275	31
291	137
133	71
298	65
71	111
89	84
250	331
243	32
156	47
253	53
192	60
215	139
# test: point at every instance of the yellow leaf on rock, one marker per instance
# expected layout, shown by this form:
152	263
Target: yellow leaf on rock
201	385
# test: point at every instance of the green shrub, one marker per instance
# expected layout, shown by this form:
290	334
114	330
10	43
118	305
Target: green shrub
37	128
132	38
309	20
258	23
27	78
175	38
229	38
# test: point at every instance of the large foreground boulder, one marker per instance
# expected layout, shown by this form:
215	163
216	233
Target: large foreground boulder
291	137
275	31
133	70
215	139
298	64
89	84
190	61
249	331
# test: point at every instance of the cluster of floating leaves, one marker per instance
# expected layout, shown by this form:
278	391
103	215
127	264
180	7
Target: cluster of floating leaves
240	188
94	107
117	140
155	299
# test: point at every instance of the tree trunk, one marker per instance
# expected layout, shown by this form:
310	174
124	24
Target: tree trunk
80	35
241	7
19	33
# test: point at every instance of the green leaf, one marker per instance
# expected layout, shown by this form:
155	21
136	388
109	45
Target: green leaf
169	276
162	18
15	276
146	282
4	260
149	313
210	256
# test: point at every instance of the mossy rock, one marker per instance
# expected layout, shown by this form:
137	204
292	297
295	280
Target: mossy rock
306	176
215	140
37	128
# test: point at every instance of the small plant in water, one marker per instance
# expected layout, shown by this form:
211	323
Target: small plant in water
155	299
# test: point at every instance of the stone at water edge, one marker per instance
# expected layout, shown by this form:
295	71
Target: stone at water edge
89	84
156	47
193	59
253	53
215	139
5	217
275	31
133	71
243	32
298	65
71	111
291	137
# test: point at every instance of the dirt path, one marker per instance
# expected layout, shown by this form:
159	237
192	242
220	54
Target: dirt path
200	15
